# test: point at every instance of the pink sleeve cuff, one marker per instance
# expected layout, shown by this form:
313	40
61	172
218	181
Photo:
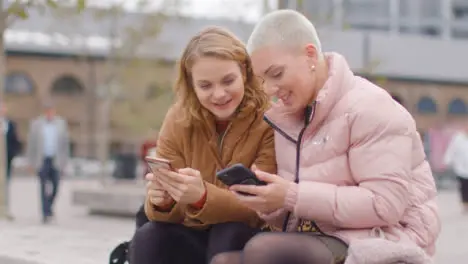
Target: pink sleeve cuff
291	197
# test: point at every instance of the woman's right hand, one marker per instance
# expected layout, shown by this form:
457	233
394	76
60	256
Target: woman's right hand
158	196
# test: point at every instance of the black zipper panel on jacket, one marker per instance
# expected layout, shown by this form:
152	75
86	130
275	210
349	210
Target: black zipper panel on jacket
277	129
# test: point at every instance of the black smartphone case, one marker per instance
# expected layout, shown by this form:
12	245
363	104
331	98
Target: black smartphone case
238	174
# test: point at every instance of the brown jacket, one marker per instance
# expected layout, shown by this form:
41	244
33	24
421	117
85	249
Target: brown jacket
248	140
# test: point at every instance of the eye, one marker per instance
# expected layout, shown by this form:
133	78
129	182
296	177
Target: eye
228	81
204	86
277	74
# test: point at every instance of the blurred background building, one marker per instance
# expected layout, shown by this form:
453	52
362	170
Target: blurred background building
416	49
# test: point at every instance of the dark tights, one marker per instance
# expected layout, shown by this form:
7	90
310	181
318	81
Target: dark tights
285	248
165	243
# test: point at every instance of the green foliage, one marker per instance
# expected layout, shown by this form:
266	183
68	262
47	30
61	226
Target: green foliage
19	8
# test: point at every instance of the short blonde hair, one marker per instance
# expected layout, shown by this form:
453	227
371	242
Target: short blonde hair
284	28
218	43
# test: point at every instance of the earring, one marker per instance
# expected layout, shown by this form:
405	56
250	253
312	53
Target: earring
312	68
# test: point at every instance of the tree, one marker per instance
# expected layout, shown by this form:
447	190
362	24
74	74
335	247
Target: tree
126	97
9	12
137	84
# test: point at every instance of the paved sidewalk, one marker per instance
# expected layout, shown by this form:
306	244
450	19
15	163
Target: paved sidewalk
78	238
73	238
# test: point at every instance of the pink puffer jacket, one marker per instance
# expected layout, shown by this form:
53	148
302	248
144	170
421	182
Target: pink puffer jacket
361	164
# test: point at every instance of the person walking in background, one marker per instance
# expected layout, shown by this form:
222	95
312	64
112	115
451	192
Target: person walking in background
12	147
48	151
456	157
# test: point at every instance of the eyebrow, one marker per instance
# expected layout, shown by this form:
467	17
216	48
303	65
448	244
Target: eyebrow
231	74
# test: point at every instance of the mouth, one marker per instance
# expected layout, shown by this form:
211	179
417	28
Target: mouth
286	98
222	104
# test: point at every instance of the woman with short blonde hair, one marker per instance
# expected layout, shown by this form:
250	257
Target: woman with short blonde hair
351	165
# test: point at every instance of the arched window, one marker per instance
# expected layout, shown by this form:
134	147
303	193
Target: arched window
427	105
67	85
457	107
18	83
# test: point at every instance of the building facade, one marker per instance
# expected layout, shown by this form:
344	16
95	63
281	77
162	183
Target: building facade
73	85
426	73
441	18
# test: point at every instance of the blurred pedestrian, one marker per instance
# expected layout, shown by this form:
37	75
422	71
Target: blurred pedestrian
48	151
12	149
456	157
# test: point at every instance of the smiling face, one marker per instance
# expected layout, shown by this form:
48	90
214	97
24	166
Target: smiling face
218	85
289	76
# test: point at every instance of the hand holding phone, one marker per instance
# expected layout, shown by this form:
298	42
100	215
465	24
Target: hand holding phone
158	196
157	163
238	174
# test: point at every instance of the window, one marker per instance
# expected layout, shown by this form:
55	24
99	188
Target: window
18	83
427	105
457	107
67	85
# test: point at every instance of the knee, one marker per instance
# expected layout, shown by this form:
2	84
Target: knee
267	248
226	258
263	244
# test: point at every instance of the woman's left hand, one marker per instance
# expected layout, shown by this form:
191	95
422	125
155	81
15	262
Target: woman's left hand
265	199
185	186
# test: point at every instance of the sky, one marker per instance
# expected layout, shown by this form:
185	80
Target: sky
248	10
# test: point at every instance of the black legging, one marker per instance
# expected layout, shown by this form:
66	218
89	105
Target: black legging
166	243
141	217
287	248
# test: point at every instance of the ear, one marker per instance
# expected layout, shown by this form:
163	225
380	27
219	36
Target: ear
311	51
311	54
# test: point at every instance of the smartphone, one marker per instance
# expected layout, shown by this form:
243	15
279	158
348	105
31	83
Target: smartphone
238	174
157	163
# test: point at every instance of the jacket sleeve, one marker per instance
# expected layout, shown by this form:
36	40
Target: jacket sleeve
380	161
222	200
169	147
